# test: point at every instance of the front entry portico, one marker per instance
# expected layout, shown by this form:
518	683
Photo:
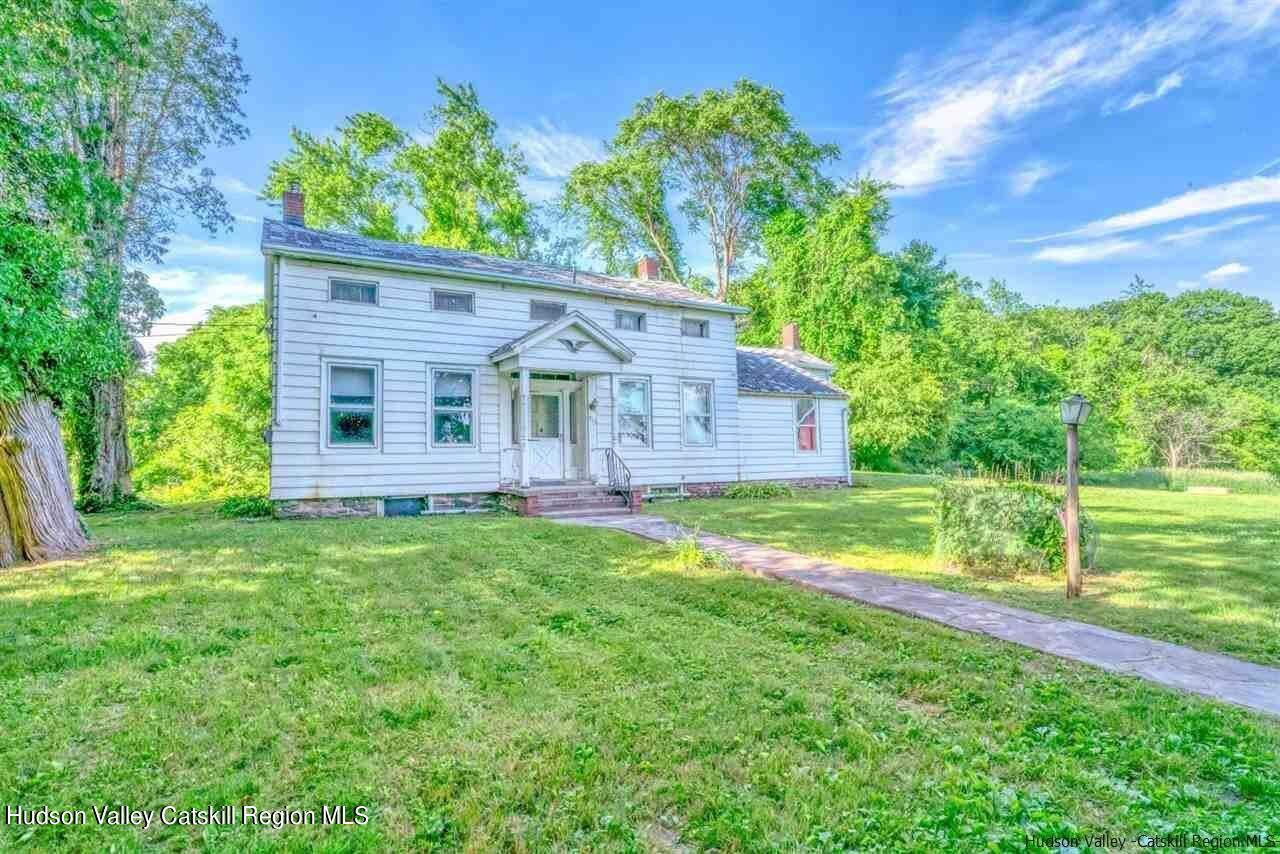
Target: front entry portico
555	374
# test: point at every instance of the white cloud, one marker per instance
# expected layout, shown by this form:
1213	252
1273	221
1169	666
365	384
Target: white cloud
948	109
190	293
1086	253
1195	235
1226	271
1025	178
233	186
1273	167
185	246
552	152
1166	85
1220	197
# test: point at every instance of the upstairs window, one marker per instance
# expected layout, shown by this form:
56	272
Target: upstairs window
542	310
632	321
633	412
453	407
693	328
458	301
348	290
353	406
806	425
697	399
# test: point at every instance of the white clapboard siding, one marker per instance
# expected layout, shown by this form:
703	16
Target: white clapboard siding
769	448
405	337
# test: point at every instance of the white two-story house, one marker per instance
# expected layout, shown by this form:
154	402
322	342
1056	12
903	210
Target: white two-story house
411	379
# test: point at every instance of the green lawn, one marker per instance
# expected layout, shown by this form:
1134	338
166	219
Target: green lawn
1201	570
508	684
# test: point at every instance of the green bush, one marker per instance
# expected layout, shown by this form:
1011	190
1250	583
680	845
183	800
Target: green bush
1006	528
245	507
762	489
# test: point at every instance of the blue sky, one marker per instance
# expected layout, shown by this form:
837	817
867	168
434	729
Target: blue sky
1062	148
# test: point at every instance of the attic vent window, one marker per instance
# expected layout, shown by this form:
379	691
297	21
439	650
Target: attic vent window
347	290
541	310
463	303
691	328
629	320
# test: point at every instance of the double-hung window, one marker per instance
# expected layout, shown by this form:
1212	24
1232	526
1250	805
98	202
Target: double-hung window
698	406
352	406
633	412
453	407
807	425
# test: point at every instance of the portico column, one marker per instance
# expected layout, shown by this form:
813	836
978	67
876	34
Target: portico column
525	426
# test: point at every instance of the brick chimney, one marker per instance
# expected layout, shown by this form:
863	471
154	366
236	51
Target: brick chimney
294	204
647	268
791	337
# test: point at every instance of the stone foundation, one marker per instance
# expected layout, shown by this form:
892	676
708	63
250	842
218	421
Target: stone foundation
337	508
328	508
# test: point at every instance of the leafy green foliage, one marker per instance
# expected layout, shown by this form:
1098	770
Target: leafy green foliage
463	185
197	418
621	205
246	507
1004	527
1008	435
735	156
758	490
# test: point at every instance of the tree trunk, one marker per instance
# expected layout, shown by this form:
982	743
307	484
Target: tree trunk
109	479
38	519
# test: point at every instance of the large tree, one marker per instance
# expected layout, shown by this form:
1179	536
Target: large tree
462	184
146	128
50	200
621	205
736	157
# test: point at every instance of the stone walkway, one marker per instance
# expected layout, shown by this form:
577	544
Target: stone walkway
1218	676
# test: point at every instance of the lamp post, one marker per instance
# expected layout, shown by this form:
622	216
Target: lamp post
1075	411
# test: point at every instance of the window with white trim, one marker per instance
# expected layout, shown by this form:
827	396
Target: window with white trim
807	425
462	302
349	290
352	406
632	321
698	407
543	310
633	411
691	327
453	407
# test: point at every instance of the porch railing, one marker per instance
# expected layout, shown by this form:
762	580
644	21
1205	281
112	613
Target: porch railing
619	474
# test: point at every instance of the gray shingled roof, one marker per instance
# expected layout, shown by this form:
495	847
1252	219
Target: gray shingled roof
761	372
315	243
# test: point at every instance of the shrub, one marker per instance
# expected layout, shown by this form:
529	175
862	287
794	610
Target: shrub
1005	527
764	489
245	507
687	554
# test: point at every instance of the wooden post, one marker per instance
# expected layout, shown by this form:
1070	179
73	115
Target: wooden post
1071	514
525	426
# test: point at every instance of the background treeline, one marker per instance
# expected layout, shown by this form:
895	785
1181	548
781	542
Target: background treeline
943	372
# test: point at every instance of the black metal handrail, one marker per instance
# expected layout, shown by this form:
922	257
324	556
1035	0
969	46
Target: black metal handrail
619	474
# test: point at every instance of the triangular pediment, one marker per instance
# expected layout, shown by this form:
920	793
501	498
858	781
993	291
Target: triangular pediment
573	332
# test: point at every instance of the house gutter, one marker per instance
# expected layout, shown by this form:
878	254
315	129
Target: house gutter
506	278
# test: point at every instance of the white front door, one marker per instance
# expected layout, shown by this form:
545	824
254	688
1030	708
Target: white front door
547	436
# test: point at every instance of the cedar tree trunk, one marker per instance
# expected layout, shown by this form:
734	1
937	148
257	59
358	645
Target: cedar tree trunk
38	519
